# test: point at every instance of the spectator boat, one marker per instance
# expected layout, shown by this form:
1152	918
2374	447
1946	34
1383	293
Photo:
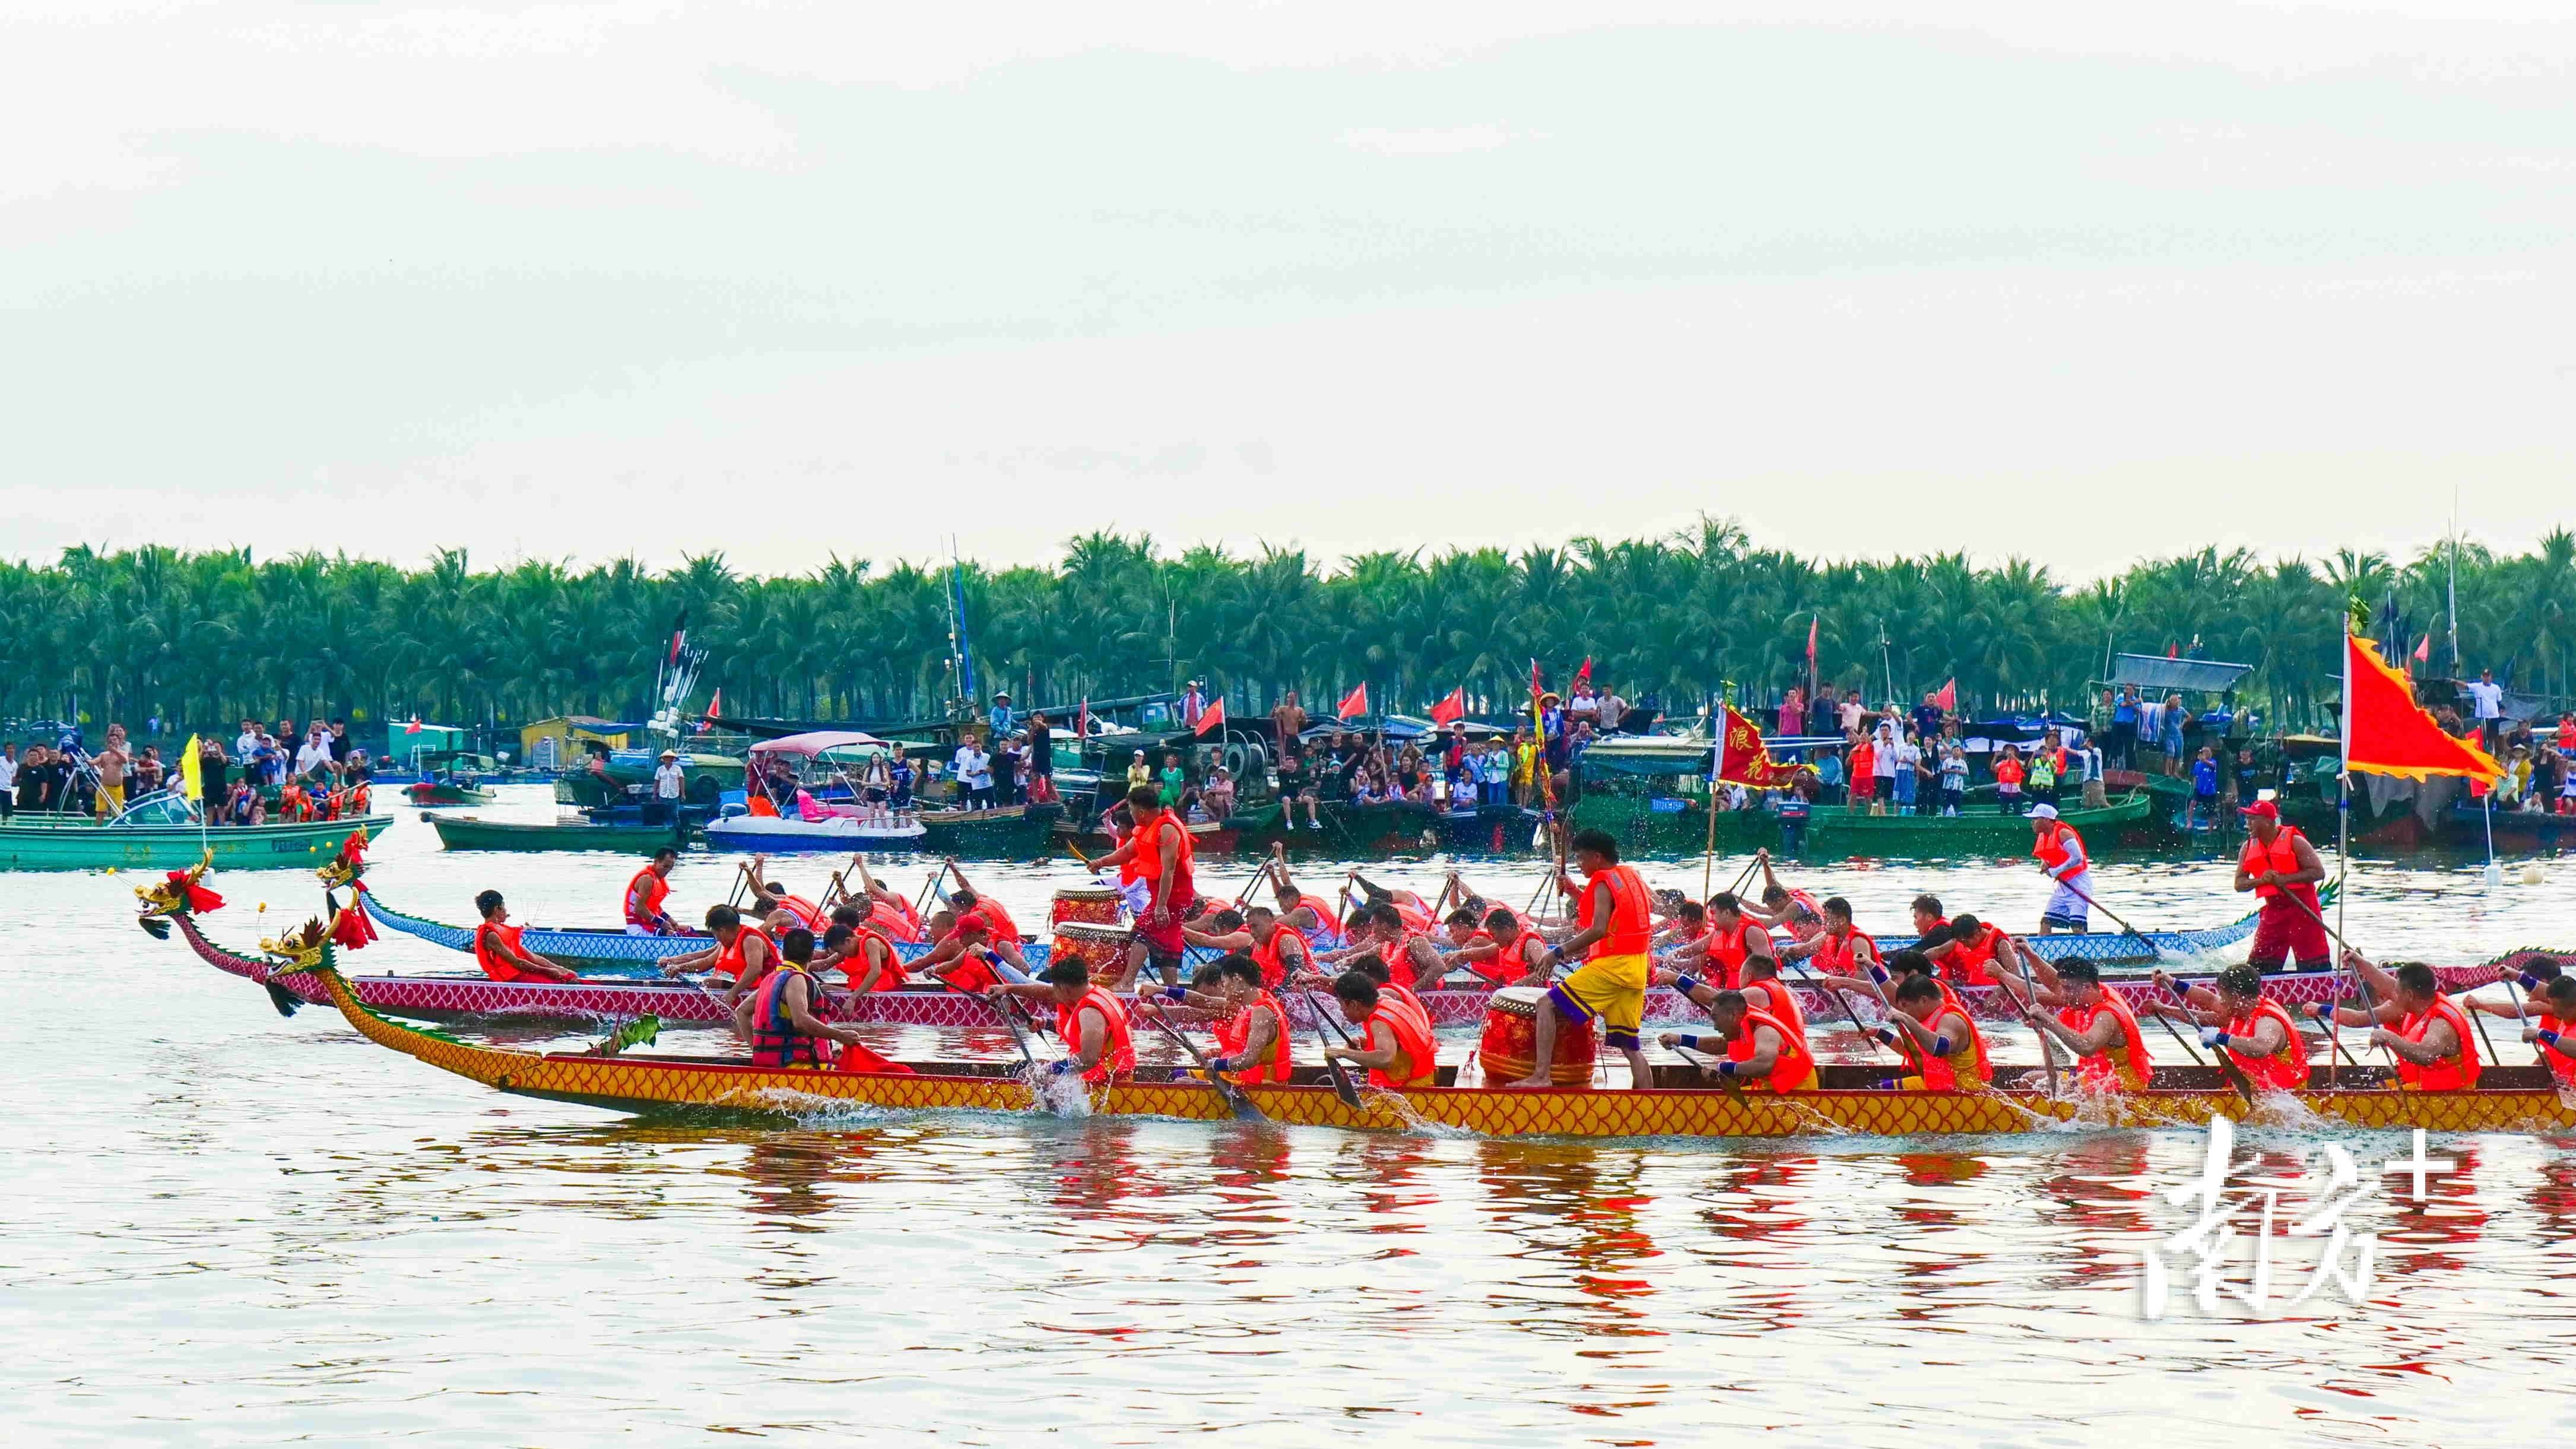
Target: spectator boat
160	832
467	832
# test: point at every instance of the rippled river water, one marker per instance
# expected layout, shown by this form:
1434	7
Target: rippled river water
224	1227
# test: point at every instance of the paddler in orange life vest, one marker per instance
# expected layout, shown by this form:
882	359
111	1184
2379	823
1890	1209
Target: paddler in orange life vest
864	954
2435	1047
1500	952
1841	951
1938	1038
1968	951
2259	1035
2092	1022
802	913
1762	1052
777	1018
498	952
1310	916
2060	852
1391	1044
2282	870
645	894
1156	852
1252	1035
1614	923
1091	1022
2553	1029
1278	952
1730	941
743	951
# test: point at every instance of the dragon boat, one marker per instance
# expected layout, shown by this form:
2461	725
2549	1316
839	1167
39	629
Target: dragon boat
453	997
610	1075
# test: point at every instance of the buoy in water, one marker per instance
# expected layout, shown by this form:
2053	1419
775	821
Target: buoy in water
2532	874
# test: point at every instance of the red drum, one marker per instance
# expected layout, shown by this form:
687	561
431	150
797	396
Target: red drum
1511	1040
1091	905
1103	949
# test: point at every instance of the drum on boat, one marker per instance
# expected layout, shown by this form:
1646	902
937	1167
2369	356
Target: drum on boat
1091	905
1101	949
1510	1043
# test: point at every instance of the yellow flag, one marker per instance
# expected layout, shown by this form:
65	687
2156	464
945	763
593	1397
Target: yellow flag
192	780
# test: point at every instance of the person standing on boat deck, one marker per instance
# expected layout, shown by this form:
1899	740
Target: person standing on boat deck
1613	923
2282	870
1287	718
1000	718
2060	852
646	891
974	774
669	782
111	762
498	952
1041	759
1088	1020
2435	1047
1157	852
2092	1022
8	781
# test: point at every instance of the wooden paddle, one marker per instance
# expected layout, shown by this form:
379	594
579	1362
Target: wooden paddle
2155	951
2047	1043
1839	1000
2226	1064
1709	1064
1333	1069
1235	1097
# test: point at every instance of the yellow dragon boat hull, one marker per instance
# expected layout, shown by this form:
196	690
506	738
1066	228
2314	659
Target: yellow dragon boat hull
642	1084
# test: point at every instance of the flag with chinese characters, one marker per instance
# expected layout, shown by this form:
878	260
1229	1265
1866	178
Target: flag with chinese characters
1742	758
2385	732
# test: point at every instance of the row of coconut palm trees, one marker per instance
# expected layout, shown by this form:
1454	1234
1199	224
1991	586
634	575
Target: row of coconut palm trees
208	637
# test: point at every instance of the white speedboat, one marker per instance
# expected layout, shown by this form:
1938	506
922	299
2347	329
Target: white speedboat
776	833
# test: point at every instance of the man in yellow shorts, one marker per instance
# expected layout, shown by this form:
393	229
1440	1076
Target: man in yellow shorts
1615	926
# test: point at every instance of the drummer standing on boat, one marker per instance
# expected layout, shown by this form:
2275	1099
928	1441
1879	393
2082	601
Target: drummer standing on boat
2061	853
2282	870
1614	923
1157	852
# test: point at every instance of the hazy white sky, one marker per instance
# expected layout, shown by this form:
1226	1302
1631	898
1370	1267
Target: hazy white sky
2077	282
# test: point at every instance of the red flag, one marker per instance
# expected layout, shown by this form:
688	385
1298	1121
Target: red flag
2387	733
1948	698
1812	620
412	728
1743	759
1213	717
715	702
1584	675
1452	708
1355	703
2424	650
2173	651
1082	720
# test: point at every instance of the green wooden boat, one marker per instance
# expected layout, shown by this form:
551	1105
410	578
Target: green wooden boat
448	792
465	832
1653	825
1014	832
156	833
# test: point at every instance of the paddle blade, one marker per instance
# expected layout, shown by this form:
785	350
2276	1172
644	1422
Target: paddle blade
286	1002
1342	1088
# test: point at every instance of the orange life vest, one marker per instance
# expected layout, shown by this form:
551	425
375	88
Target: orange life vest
1235	1035
2057	848
1267	955
1774	998
1965	962
1728	951
1943	1074
1839	956
730	959
855	965
2559	1063
494	964
2124	1065
2281	855
1117	1050
807	914
996	920
1146	864
896	919
1793	1070
2453	1074
1632	921
2285	1070
1415	1063
654	889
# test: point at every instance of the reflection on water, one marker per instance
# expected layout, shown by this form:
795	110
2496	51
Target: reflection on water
265	1229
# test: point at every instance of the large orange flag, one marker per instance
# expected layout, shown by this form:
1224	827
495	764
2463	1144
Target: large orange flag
2385	732
1743	759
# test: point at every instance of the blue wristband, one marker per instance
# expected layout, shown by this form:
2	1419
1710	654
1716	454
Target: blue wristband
1726	1068
1690	1039
1879	974
1176	993
1685	984
1060	1067
2545	1034
1940	1046
1886	1035
1220	1064
2530	982
2219	1040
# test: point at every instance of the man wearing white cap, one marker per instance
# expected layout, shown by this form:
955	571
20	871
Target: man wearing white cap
2061	853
